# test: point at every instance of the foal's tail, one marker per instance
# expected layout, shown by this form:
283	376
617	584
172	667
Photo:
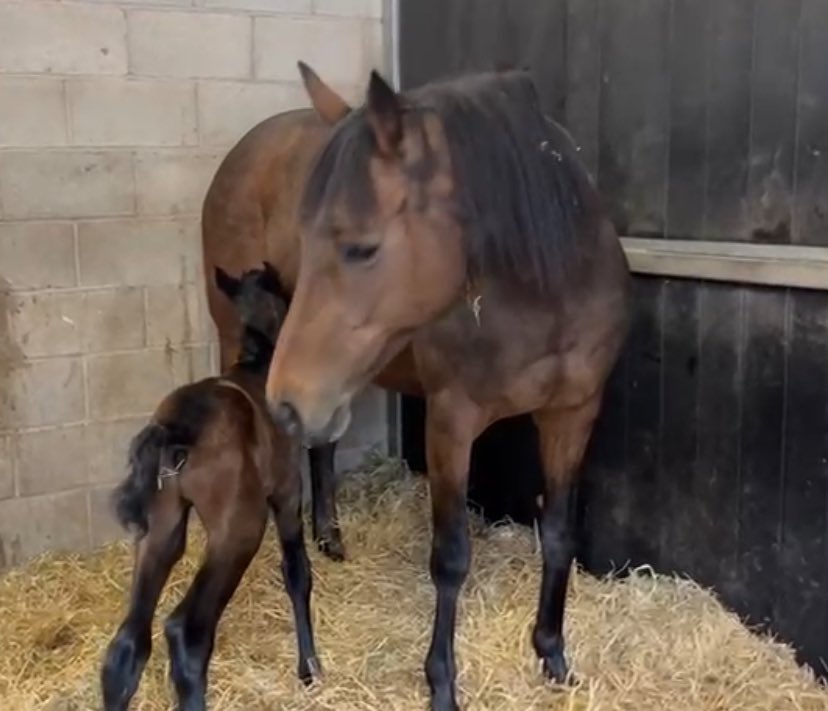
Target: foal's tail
134	495
157	446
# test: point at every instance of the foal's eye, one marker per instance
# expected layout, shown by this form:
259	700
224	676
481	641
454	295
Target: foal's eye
358	253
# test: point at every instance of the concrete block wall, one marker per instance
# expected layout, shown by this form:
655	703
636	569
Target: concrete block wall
113	118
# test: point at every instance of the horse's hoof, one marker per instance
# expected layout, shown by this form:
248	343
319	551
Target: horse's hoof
555	669
310	671
332	548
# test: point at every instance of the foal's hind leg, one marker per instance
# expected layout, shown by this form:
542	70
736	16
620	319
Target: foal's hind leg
564	434
232	541
156	554
296	571
326	531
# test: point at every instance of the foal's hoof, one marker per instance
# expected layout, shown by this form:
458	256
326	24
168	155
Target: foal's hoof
333	548
310	671
555	669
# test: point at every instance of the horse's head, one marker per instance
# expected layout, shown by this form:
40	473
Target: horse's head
382	254
259	296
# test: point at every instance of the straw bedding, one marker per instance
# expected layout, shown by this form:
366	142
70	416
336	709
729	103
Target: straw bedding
638	644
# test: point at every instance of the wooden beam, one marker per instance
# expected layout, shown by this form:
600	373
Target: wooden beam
741	262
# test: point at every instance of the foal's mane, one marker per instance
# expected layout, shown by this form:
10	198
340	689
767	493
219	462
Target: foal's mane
519	187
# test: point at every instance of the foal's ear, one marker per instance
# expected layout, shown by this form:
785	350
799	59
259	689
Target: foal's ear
330	106
229	285
273	281
384	113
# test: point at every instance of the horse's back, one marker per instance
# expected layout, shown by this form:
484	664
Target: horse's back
249	210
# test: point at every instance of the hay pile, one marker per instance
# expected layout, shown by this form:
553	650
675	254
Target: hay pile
641	644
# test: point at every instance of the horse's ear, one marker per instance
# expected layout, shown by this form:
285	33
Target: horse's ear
384	113
229	285
330	106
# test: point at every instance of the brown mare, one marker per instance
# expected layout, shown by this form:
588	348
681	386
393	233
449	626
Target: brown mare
456	220
249	215
211	446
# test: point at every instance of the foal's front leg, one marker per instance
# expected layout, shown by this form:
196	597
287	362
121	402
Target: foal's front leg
563	436
296	573
326	532
451	426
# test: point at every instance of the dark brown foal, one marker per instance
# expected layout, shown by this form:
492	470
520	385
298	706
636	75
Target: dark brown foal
211	446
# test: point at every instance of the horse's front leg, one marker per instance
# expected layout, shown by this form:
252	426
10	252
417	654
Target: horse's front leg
563	436
451	425
324	518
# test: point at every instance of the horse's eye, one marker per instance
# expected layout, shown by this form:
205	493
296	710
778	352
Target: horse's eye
358	253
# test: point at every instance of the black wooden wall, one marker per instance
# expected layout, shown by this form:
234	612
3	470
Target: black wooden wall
700	119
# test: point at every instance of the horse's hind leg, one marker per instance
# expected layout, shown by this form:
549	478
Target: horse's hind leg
232	541
564	434
326	532
156	554
296	572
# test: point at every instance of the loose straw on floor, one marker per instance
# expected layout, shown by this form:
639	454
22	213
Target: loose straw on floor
641	644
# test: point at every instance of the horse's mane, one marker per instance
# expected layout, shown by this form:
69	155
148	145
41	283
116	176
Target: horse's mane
520	188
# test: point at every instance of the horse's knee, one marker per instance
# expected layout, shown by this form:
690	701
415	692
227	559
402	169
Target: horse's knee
123	664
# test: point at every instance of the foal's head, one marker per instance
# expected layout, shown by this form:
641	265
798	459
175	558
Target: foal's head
260	299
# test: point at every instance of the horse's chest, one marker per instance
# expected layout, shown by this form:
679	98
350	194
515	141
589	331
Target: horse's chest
487	357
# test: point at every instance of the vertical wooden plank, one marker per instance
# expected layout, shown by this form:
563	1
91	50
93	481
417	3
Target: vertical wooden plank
773	122
689	50
761	452
716	480
811	201
728	118
684	220
803	581
643	423
679	503
422	61
583	78
633	119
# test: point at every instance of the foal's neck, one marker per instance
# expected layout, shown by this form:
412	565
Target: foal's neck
256	353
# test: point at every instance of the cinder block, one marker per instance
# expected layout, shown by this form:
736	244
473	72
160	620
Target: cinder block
107	447
37	255
6	468
188	44
62	38
103	526
47	324
113	319
33	112
139	252
275	6
66	183
51	460
131	112
252	102
190	363
41	393
349	8
333	46
174	182
176	314
128	384
32	525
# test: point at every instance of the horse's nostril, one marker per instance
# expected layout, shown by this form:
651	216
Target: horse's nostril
286	417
